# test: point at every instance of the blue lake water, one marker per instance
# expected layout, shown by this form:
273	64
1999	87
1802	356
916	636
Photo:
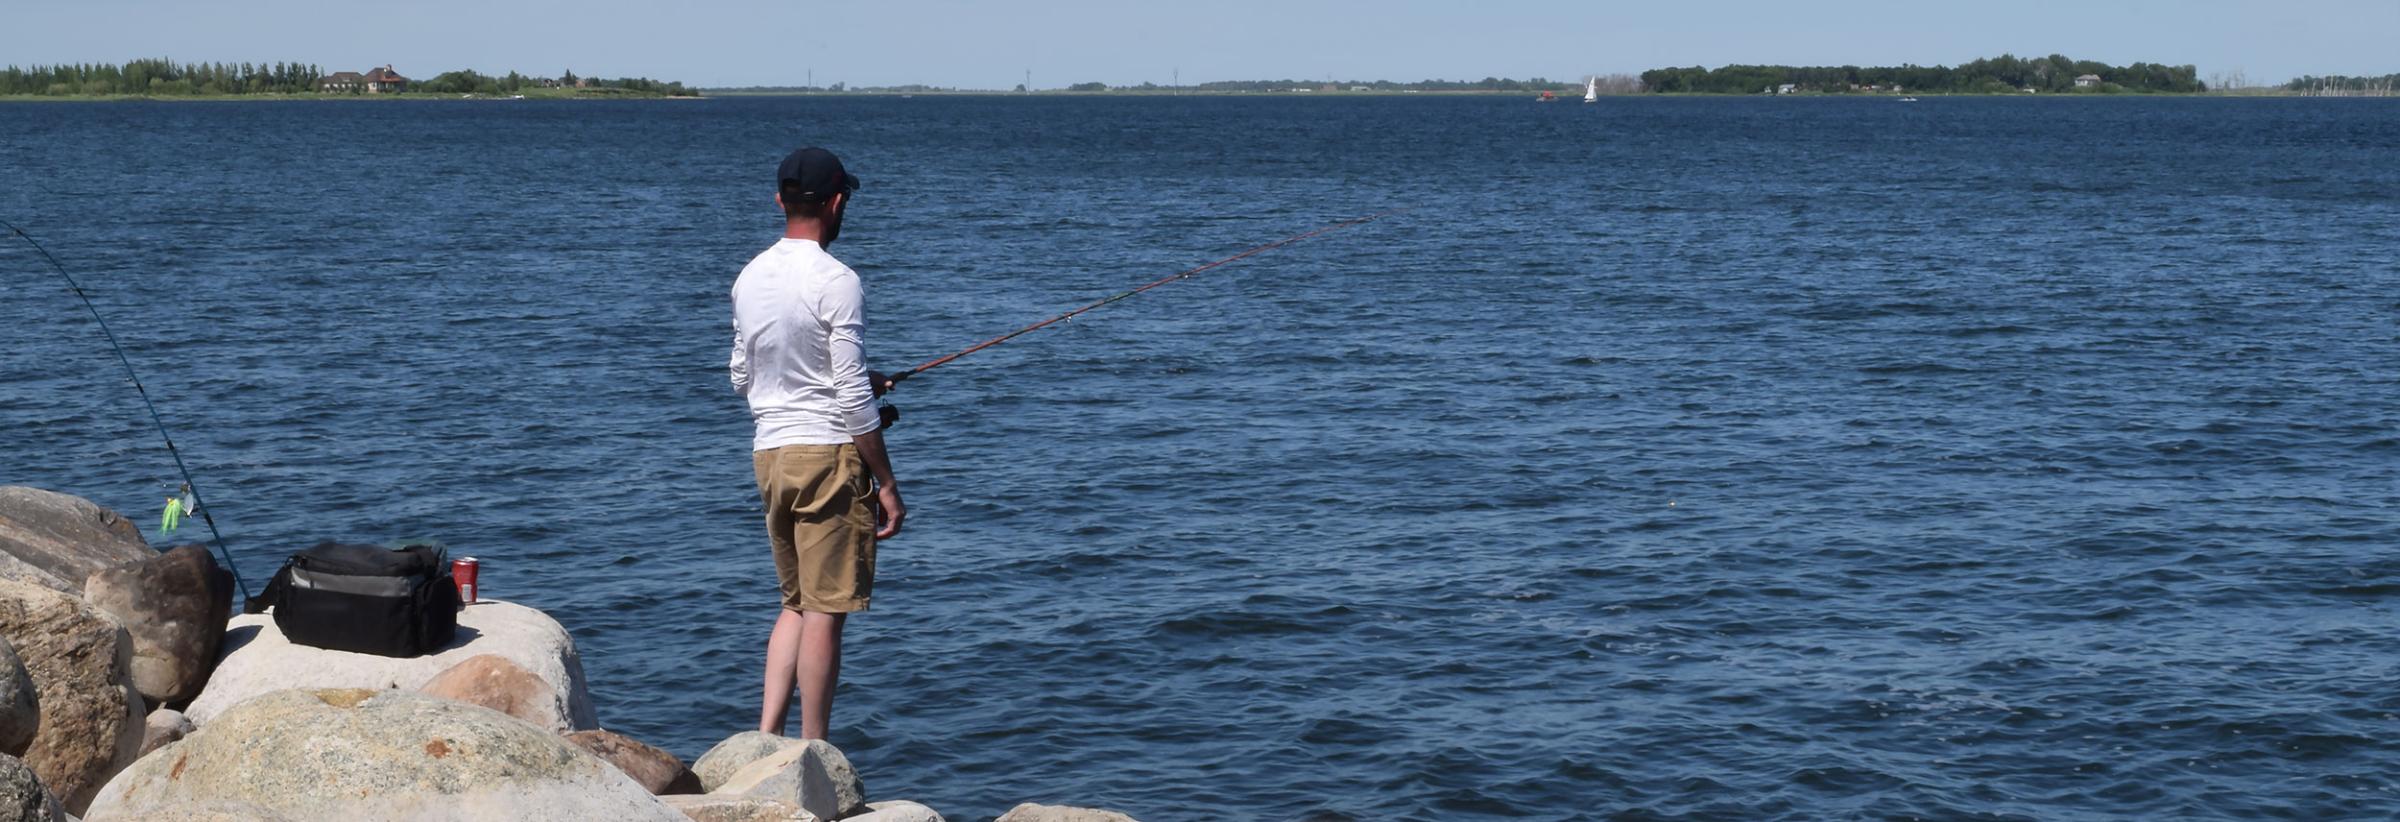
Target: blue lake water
1673	458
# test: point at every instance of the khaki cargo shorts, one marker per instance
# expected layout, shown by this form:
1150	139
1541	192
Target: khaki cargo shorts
821	519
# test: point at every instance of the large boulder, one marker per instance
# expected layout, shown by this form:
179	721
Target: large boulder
738	750
813	775
363	754
54	540
215	812
20	704
257	659
22	798
174	604
659	772
716	807
490	680
81	664
1030	812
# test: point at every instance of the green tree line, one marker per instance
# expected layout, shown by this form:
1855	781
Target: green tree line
468	81
166	78
2003	74
161	77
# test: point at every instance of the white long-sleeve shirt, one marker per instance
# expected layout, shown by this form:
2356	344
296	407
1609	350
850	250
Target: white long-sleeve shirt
799	320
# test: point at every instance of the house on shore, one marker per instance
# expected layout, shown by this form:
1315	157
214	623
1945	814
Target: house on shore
2087	81
376	81
385	80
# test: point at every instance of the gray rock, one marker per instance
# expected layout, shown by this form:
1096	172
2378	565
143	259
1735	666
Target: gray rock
212	812
361	754
257	659
897	811
162	728
20	703
658	772
54	540
713	807
490	680
22	798
736	751
174	604
813	775
1030	812
81	663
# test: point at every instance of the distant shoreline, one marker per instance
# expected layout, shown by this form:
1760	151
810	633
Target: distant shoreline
546	94
1280	95
1562	98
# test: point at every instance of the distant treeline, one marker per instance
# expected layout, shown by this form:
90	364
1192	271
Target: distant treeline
167	78
161	77
468	81
2001	75
2343	85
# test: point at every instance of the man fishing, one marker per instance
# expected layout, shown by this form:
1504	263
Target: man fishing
799	358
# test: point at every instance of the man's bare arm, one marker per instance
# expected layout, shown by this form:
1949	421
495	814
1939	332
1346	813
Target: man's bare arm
889	510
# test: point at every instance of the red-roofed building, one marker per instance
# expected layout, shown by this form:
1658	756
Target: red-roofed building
384	79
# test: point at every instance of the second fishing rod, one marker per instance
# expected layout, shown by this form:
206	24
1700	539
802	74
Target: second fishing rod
891	414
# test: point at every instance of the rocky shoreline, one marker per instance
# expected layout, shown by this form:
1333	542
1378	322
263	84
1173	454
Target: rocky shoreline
129	692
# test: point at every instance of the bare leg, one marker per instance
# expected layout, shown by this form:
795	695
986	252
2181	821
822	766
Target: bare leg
819	666
783	651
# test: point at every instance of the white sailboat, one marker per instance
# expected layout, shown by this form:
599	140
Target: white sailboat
1591	90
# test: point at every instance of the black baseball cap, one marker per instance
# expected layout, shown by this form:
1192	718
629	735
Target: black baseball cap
813	175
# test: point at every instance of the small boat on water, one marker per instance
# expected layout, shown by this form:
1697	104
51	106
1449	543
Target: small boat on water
1908	99
1591	90
1547	97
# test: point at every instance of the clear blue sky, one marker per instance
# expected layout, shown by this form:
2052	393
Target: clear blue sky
991	44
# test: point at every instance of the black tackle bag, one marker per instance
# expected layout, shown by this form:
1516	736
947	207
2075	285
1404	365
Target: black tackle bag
365	599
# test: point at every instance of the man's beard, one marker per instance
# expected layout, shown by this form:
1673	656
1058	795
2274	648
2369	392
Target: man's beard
833	226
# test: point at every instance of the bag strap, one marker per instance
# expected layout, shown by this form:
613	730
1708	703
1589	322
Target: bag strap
273	594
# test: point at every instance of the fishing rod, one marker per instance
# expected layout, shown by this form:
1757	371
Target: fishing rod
891	414
189	486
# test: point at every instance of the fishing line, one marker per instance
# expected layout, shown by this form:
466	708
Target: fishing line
1185	274
192	487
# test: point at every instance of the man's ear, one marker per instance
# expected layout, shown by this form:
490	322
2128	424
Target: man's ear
779	203
834	206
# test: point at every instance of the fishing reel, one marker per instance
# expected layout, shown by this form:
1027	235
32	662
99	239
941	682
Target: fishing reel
888	412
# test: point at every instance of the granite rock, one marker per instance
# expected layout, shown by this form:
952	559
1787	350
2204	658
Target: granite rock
712	807
1030	812
897	811
174	605
211	812
20	703
81	666
256	659
738	750
490	680
378	754
813	775
163	727
54	540
22	798
658	772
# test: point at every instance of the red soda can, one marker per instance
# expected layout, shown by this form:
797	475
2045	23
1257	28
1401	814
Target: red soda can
462	570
